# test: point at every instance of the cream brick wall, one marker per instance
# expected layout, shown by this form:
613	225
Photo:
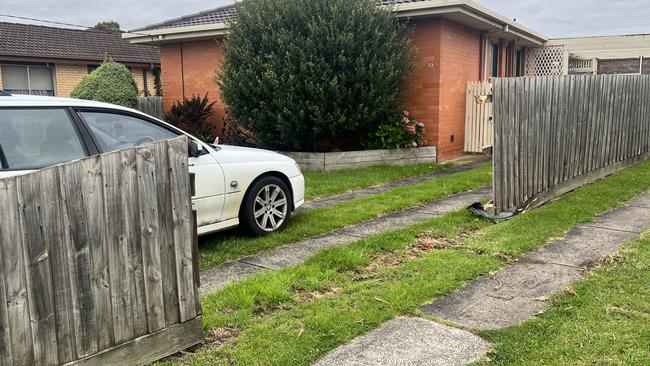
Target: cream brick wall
151	82
139	81
67	78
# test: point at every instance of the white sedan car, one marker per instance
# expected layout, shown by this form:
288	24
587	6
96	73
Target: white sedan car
234	185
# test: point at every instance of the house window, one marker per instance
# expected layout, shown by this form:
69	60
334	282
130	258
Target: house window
28	79
519	69
494	59
92	68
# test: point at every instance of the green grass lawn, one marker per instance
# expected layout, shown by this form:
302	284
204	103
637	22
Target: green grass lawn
296	315
603	320
324	184
219	248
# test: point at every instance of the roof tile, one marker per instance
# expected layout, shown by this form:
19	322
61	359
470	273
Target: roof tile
28	40
224	14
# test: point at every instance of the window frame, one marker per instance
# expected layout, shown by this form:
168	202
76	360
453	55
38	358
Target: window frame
27	65
89	150
519	62
79	110
495	58
4	165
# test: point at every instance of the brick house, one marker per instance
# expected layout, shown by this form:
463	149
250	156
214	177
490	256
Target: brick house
458	41
51	61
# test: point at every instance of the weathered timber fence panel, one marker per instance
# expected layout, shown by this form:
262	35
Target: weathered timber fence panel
96	262
152	106
556	133
479	131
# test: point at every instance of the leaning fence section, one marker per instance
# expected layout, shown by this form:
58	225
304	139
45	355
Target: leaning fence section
554	134
96	263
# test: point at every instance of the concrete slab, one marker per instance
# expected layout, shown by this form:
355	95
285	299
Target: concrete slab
389	222
506	299
632	218
419	214
582	246
295	254
642	200
463	200
467	164
519	291
220	276
409	341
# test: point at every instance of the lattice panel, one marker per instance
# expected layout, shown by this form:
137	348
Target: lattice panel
545	61
580	66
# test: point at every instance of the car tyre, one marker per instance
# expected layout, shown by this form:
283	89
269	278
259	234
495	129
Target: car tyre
267	207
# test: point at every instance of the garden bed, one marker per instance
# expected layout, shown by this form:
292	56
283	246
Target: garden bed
362	159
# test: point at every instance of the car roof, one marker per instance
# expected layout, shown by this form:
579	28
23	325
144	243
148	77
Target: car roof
19	100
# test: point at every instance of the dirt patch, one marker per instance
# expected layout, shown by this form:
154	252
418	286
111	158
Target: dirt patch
426	241
611	260
625	310
307	296
506	257
217	337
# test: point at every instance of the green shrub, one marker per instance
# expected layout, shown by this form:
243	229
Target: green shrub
191	115
111	82
300	73
403	132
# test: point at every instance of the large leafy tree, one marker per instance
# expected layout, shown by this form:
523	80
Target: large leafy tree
299	73
107	26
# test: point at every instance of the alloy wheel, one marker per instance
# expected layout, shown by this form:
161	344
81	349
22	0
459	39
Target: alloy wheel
270	208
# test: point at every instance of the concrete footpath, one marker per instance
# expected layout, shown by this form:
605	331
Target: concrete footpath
468	163
512	295
219	276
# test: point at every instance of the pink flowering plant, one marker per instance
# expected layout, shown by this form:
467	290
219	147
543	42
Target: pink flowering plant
405	132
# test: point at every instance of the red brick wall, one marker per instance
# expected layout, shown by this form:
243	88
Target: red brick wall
189	68
423	93
460	63
448	57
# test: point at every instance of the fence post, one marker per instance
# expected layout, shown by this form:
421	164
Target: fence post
195	235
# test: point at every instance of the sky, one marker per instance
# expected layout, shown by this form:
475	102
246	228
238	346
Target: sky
553	18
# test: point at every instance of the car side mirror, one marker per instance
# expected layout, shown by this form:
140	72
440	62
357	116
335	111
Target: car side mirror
194	149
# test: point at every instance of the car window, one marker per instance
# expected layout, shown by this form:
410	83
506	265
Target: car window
117	131
37	138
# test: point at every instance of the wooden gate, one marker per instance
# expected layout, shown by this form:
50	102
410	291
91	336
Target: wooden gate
96	260
479	130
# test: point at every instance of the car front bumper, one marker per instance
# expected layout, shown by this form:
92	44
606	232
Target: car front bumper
298	186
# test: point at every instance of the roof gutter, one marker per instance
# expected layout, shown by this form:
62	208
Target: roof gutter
471	9
401	10
165	35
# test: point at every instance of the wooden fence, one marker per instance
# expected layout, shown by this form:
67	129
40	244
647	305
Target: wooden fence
554	134
152	106
479	130
96	260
